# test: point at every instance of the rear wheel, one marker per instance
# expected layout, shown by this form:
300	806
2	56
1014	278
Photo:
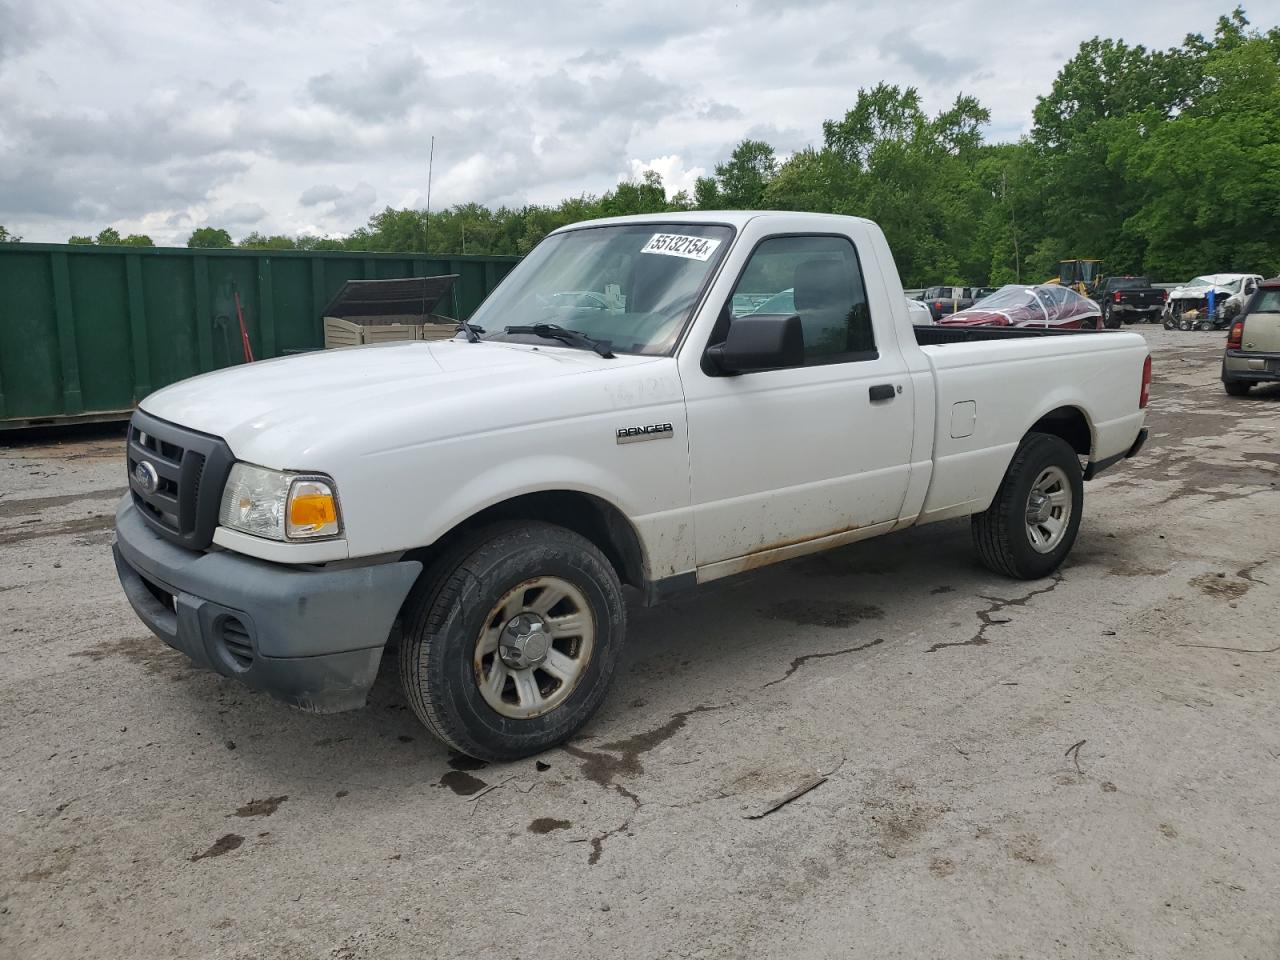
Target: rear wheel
1236	388
1170	323
1109	319
1032	523
511	640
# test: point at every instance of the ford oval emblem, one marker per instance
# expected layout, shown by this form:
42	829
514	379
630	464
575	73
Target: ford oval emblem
146	476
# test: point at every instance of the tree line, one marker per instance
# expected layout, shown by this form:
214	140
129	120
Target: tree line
1162	162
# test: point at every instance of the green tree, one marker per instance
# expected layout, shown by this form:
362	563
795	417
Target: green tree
1210	177
210	238
680	200
740	181
706	194
1155	161
110	237
259	241
7	237
629	197
307	241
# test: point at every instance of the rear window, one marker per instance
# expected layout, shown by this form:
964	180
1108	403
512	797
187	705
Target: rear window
1267	301
1129	283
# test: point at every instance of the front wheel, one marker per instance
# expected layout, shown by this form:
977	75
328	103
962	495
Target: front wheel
1032	523
1170	323
511	639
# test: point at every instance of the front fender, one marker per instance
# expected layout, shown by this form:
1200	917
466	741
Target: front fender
408	498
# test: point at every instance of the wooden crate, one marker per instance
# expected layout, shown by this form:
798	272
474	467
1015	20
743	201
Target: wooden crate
341	333
439	331
344	333
387	332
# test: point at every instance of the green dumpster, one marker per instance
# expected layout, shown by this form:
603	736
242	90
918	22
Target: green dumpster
86	332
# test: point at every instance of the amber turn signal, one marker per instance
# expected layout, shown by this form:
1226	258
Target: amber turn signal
313	511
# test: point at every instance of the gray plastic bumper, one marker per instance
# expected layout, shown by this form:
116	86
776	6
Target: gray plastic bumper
309	636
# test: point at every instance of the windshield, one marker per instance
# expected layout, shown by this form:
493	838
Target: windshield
631	285
1232	284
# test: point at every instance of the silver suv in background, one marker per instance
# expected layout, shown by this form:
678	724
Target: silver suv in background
1253	344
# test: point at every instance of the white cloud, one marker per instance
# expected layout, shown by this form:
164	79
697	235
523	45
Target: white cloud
167	116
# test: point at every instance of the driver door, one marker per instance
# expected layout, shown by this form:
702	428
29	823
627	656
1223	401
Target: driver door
781	459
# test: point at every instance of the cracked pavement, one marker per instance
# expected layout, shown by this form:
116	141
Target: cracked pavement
156	811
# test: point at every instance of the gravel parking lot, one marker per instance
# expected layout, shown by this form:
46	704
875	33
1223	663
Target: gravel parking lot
1080	767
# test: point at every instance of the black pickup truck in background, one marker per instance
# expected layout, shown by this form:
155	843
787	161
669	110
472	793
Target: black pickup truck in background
1128	299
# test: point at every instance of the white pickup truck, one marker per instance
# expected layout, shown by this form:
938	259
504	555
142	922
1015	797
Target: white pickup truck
619	412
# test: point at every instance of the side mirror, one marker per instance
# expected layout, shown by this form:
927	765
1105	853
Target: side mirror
760	342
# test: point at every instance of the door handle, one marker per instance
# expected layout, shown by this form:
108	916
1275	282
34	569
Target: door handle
881	391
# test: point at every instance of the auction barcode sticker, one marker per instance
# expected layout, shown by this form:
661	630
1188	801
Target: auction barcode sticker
679	245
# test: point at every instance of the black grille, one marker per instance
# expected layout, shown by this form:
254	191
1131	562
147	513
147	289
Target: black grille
190	469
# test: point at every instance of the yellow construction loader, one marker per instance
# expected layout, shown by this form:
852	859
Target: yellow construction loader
1082	276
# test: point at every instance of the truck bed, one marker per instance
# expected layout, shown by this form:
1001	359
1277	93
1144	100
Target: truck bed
991	381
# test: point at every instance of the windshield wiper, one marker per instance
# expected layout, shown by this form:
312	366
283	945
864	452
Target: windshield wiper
553	331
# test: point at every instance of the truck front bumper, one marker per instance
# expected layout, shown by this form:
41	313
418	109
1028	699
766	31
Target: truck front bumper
312	637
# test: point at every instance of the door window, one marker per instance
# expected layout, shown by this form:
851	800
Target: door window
818	278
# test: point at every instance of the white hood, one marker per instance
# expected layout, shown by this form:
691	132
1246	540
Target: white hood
293	408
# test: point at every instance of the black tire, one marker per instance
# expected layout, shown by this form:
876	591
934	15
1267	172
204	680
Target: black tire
1237	388
446	613
1109	319
1000	532
1170	323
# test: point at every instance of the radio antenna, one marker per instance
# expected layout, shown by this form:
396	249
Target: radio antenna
431	161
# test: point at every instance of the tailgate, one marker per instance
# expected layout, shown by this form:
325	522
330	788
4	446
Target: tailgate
1142	298
1262	333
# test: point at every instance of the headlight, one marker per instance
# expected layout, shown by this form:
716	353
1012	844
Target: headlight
279	506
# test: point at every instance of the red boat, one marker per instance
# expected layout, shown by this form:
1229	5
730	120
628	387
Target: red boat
1042	305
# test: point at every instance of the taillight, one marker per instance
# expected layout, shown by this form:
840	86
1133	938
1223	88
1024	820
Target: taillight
1145	393
1116	295
1164	296
937	304
1236	337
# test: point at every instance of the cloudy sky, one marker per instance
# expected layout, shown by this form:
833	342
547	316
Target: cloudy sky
156	116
